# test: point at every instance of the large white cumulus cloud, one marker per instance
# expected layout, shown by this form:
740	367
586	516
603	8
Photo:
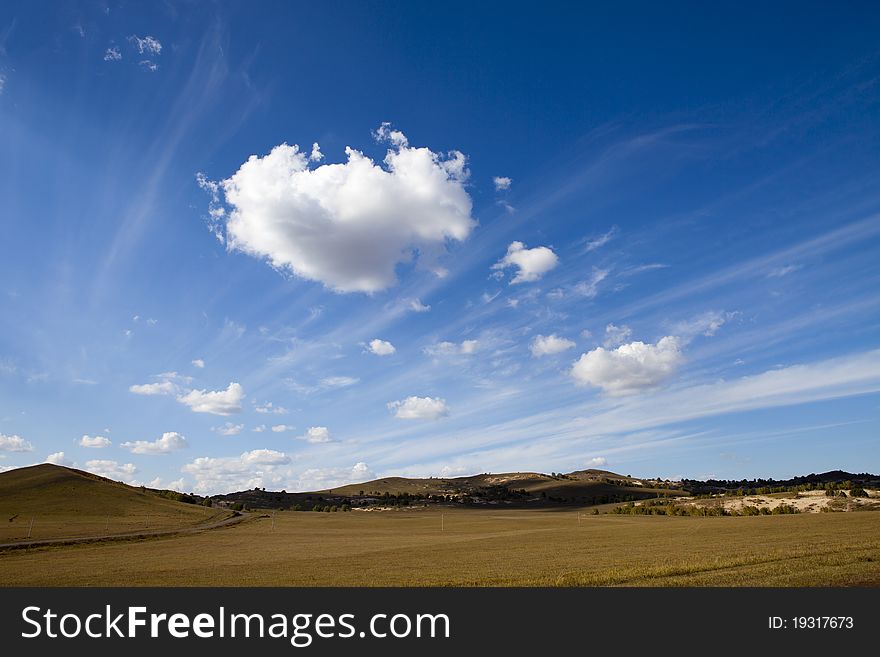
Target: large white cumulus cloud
629	368
258	467
348	225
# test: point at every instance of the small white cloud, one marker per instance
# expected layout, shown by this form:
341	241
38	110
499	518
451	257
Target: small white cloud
259	429
779	272
630	368
590	287
112	54
217	402
198	362
586	333
112	469
501	183
417	306
149	65
58	458
381	347
545	345
270	409
419	408
14	444
597	462
316	155
317	435
385	133
616	335
168	384
229	429
469	346
531	264
445	348
152	322
170	441
159	388
94	442
281	428
149	45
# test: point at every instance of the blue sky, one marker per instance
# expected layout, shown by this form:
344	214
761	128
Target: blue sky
643	239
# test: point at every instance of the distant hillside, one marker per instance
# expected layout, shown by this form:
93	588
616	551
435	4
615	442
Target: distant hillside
583	487
65	502
572	484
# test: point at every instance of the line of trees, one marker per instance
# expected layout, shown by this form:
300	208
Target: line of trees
657	508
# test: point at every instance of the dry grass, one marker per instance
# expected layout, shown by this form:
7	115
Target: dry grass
66	503
478	548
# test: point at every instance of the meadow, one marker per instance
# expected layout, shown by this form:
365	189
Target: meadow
476	547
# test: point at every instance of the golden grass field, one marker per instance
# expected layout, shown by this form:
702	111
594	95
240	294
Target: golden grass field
477	548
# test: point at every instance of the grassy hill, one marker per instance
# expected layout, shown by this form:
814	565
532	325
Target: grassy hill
572	485
64	502
582	487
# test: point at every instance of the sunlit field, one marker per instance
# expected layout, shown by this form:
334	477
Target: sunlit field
432	547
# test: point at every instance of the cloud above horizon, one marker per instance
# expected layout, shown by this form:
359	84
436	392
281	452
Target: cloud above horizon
546	345
348	225
94	442
168	442
502	183
531	264
381	347
216	402
255	468
317	435
419	408
14	444
113	470
629	368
